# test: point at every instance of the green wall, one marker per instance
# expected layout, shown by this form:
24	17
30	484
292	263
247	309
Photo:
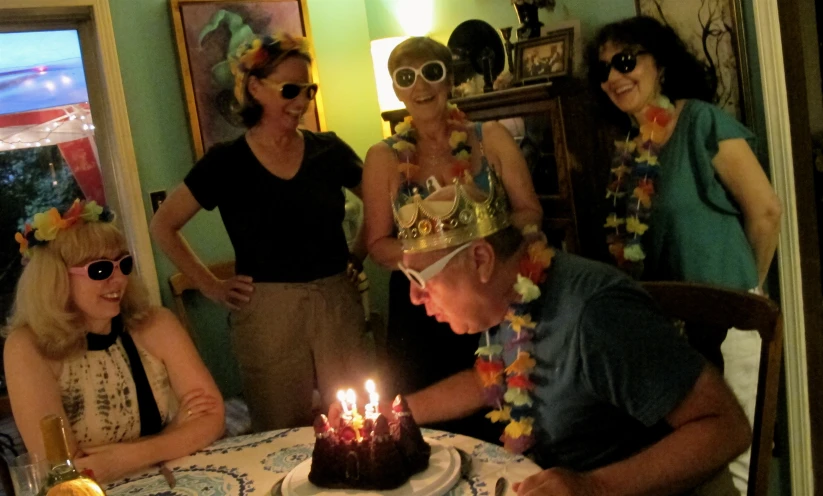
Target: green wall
157	115
341	31
447	14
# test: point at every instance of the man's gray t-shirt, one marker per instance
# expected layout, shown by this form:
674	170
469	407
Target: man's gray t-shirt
610	366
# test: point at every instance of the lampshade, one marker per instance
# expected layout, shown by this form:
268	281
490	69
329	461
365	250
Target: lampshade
380	51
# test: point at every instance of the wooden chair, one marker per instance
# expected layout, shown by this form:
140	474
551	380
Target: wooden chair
180	283
708	312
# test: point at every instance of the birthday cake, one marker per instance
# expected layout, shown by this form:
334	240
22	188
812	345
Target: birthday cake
368	453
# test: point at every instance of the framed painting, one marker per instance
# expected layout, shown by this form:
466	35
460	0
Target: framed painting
547	57
207	32
713	29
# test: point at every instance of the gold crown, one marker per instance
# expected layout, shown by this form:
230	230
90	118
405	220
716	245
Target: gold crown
451	215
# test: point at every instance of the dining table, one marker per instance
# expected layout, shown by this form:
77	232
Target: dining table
255	463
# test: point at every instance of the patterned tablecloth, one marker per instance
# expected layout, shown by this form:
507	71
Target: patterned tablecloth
252	464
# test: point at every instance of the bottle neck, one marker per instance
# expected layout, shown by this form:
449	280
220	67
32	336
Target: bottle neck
54	440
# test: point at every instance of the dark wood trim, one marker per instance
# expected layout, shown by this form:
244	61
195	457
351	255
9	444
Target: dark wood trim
790	13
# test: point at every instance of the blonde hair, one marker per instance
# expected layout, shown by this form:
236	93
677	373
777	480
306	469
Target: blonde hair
43	303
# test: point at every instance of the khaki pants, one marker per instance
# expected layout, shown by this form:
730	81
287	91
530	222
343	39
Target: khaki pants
293	337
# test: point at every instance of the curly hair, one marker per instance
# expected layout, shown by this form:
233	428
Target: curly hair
420	48
275	50
43	302
683	75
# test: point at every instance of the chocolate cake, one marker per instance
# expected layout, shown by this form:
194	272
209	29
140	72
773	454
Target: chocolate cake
370	453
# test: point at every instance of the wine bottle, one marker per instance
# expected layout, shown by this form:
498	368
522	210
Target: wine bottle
63	479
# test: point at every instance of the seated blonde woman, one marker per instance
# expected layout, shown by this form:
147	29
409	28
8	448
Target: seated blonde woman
84	343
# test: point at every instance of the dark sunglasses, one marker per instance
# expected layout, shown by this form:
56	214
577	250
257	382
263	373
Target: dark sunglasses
623	62
432	71
290	91
100	270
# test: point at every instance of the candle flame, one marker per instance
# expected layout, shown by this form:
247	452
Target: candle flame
350	396
370	387
341	396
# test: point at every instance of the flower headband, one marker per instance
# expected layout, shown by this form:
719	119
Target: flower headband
46	225
259	52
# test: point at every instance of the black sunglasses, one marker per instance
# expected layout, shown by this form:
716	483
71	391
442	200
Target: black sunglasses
623	62
432	71
100	270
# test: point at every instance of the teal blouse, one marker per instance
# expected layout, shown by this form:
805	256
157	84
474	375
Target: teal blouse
696	228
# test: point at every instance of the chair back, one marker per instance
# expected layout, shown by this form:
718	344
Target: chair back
708	313
180	283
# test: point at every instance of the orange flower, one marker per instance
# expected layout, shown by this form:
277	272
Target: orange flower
24	243
541	254
522	364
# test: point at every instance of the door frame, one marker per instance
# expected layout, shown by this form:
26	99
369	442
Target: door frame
781	159
92	19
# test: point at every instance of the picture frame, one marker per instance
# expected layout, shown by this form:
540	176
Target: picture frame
544	58
206	31
713	30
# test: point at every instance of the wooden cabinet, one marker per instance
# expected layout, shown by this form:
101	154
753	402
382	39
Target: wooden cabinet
555	127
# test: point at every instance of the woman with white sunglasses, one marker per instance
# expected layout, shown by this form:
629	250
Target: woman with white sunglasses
84	343
297	321
434	147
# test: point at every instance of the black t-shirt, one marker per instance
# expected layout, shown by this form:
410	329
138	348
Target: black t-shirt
281	230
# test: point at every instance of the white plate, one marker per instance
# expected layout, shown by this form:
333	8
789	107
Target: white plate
441	475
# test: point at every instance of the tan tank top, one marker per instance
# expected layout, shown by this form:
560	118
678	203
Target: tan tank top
100	399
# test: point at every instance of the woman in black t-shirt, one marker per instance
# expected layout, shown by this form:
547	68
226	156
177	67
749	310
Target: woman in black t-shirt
297	322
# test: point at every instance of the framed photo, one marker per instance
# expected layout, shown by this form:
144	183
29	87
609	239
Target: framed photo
713	29
544	58
207	33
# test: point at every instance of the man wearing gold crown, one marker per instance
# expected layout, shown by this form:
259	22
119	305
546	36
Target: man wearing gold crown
576	361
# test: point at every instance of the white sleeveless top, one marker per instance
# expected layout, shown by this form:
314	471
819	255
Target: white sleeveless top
100	398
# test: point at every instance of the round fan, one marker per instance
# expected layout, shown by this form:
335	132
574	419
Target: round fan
476	49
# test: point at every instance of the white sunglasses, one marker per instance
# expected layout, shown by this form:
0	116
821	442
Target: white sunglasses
433	71
432	270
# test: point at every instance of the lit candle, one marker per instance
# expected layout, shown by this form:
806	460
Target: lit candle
374	399
341	396
351	398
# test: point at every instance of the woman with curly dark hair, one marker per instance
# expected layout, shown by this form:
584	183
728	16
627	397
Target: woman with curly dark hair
690	201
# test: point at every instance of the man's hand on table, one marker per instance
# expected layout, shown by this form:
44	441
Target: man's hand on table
559	482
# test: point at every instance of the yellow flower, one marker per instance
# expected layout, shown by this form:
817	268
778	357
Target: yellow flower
522	427
526	289
404	127
518	397
633	225
47	224
522	364
647	157
91	212
614	221
621	171
457	137
403	145
463	155
500	415
519	322
627	146
634	253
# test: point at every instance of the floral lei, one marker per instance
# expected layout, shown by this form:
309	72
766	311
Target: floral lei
46	225
511	400
406	146
634	169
